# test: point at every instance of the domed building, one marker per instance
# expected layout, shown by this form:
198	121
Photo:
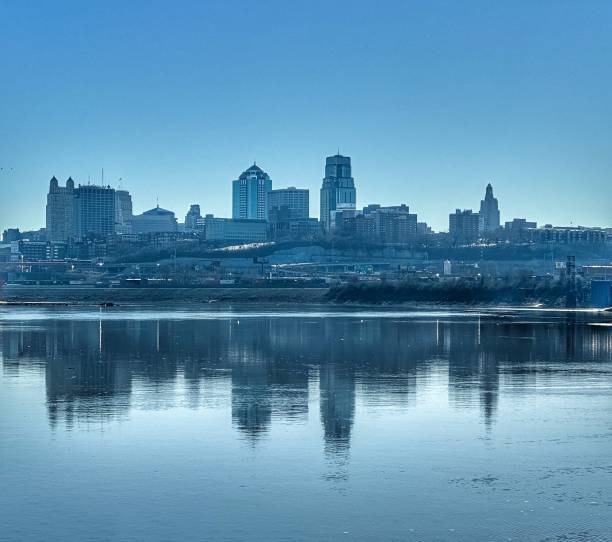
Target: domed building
156	220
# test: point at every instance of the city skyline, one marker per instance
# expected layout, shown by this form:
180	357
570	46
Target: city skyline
433	105
139	208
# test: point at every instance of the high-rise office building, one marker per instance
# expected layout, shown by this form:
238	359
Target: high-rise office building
288	210
193	218
123	211
463	226
387	225
94	210
338	190
394	224
489	212
73	213
296	200
250	194
60	210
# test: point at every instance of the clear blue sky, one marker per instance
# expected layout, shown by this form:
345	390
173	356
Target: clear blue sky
431	100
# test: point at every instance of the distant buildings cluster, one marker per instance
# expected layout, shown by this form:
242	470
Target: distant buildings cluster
467	226
261	212
74	212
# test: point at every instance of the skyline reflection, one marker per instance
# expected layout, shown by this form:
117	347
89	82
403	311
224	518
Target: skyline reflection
274	369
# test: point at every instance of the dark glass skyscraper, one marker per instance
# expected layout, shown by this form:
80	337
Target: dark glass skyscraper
338	191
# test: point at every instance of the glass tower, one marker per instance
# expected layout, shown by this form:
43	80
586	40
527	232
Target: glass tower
250	194
338	189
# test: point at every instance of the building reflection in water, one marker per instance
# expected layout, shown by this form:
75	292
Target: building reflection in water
97	370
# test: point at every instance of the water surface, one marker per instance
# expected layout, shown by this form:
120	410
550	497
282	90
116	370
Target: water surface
252	424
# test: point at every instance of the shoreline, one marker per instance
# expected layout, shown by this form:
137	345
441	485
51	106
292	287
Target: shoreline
14	295
79	296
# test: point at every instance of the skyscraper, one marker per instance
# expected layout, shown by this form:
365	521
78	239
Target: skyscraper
338	190
489	212
94	210
463	226
192	217
60	212
73	213
123	211
250	194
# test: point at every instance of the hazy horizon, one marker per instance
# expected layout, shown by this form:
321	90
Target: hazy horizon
430	100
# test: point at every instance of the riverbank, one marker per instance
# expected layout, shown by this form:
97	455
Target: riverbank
527	292
73	295
347	295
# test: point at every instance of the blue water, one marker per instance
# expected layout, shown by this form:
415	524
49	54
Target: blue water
254	424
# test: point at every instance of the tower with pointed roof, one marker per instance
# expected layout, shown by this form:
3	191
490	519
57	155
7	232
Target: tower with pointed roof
250	194
489	213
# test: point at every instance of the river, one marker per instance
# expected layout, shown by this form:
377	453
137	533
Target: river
272	424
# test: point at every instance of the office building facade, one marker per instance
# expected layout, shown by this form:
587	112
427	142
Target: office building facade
296	200
94	210
123	211
250	194
489	213
60	210
568	235
235	230
338	191
77	212
463	226
393	225
193	219
517	229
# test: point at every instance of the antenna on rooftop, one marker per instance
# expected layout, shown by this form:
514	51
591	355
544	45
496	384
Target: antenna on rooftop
102	176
